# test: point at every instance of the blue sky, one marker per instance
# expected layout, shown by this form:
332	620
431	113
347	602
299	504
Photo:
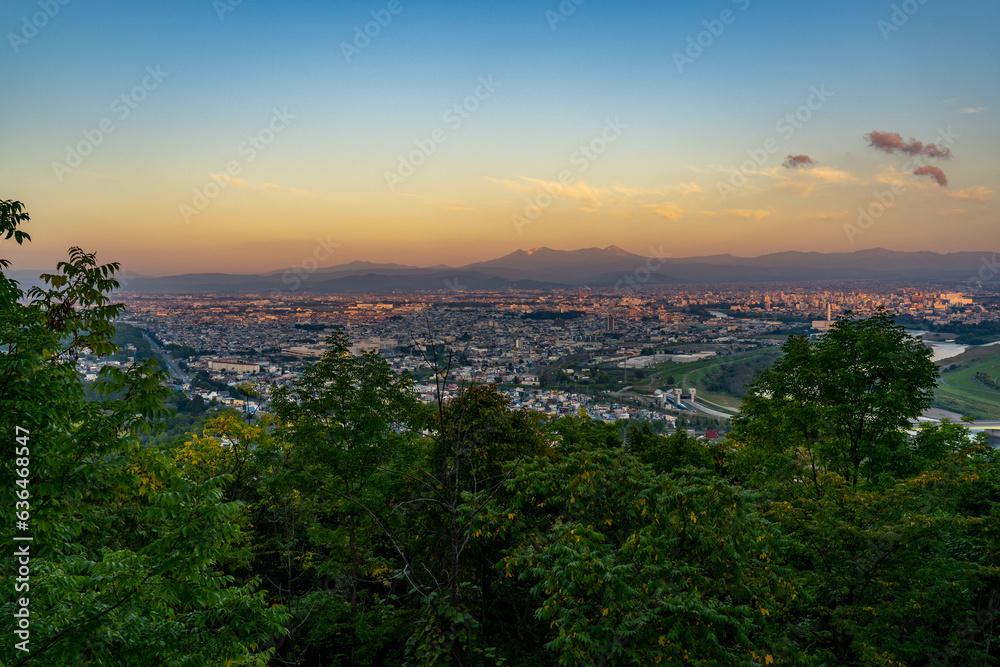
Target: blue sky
226	71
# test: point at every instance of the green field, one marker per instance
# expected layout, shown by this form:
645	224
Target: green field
695	371
695	380
958	389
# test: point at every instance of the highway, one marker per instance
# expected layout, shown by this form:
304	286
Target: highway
175	370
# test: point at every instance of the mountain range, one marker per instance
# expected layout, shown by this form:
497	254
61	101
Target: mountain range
546	268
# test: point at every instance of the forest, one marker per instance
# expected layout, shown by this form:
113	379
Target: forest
351	524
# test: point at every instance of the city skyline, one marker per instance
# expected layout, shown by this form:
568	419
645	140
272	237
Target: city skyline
231	136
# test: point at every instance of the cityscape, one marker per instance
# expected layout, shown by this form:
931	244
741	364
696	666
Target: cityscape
530	333
543	348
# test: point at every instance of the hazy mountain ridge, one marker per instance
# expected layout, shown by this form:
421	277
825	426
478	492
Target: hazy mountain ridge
547	268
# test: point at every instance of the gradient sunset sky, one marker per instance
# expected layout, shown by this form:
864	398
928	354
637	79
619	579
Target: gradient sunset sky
193	135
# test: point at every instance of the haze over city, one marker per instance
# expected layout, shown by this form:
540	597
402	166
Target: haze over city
237	136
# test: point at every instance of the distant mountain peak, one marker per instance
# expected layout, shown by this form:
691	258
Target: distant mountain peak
545	250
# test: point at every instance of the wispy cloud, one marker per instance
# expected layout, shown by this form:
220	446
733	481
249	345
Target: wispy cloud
577	191
832	216
934	173
793	161
639	192
745	213
748	214
972	110
902	179
805	181
240	183
665	210
974	193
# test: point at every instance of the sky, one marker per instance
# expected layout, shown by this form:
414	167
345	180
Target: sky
247	136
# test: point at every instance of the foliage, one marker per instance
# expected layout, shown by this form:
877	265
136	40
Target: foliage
668	453
668	567
733	378
888	527
842	403
123	557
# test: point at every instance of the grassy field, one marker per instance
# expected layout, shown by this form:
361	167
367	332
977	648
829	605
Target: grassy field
695	379
695	371
958	389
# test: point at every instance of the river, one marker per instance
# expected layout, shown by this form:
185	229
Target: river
946	349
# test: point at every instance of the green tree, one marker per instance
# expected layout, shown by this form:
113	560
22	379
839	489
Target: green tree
123	557
843	402
476	446
343	420
878	535
871	559
667	567
667	453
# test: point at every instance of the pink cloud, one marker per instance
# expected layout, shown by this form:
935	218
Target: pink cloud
891	142
934	173
793	161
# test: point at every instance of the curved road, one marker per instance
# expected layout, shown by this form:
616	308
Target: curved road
698	406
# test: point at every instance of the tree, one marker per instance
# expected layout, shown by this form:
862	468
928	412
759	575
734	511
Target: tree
342	420
667	567
877	535
122	561
871	559
477	445
843	403
667	453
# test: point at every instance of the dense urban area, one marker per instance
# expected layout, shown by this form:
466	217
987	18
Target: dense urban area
675	356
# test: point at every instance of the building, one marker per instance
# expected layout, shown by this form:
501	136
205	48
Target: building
232	366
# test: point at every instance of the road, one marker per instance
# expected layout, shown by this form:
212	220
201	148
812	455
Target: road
698	406
175	370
